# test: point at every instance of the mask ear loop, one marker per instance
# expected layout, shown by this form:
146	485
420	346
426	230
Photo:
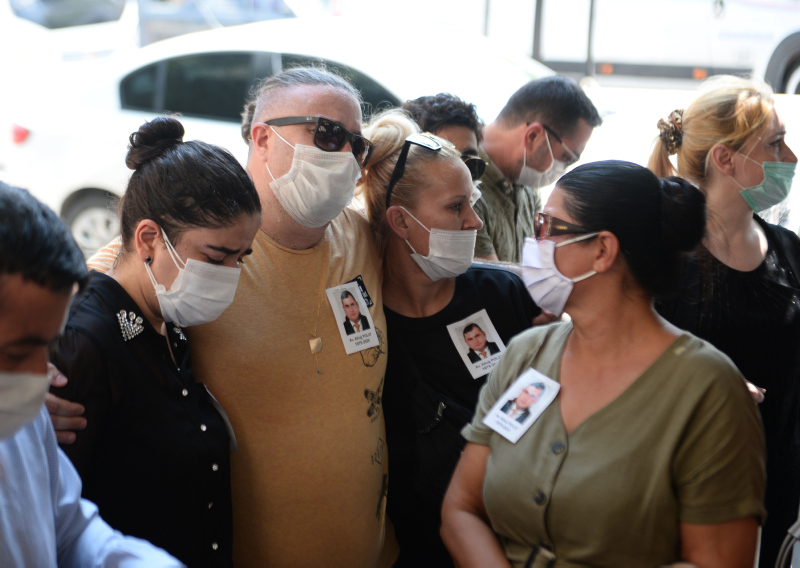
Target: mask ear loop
282	138
575	240
172	252
550	149
420	224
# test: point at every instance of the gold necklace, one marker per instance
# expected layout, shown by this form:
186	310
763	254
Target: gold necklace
315	343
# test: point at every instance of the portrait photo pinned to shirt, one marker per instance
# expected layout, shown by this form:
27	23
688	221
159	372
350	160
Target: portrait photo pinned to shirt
523	402
477	342
355	322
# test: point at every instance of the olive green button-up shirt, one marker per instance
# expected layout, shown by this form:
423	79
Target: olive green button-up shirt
683	443
507	211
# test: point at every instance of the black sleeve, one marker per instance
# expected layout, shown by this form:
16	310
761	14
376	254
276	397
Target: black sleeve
88	382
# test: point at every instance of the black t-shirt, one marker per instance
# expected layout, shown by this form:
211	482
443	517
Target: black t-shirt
754	318
430	394
155	455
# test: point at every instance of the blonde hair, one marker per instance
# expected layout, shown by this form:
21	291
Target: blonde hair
388	132
728	111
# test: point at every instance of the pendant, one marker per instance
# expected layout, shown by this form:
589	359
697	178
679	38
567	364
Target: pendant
315	344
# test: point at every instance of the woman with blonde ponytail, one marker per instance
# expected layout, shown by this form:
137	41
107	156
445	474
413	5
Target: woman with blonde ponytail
741	290
418	192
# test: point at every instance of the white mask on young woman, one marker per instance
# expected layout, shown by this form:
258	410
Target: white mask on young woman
200	292
547	286
21	399
536	179
450	253
318	186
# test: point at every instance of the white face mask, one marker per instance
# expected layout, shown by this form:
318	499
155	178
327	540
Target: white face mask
476	193
546	285
450	253
21	399
318	187
200	292
536	179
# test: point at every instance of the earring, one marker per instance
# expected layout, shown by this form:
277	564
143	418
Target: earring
148	259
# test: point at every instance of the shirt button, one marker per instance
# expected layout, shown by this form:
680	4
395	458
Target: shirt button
539	498
214	546
558	448
214	467
174	344
185	392
210	504
203	428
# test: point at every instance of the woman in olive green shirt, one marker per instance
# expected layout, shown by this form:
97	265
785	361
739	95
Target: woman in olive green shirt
652	452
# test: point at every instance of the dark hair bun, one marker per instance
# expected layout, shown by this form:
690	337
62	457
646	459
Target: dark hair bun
152	140
683	213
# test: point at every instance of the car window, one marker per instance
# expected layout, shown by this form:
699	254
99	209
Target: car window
376	96
68	13
206	85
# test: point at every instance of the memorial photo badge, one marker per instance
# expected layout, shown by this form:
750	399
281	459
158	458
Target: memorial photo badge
521	404
354	320
478	343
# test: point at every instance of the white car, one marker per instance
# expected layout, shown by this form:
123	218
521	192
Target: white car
71	134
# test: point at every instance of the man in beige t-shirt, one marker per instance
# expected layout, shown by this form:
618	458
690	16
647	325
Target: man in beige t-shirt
309	478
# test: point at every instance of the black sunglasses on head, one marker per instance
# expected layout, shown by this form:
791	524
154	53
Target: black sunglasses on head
330	136
420	139
475	165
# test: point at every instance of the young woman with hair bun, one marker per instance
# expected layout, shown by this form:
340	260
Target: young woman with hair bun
741	290
652	451
155	453
418	194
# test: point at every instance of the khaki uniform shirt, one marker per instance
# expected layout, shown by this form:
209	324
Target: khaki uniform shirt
507	211
683	443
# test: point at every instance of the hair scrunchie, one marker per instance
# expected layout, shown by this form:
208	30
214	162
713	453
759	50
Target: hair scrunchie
671	131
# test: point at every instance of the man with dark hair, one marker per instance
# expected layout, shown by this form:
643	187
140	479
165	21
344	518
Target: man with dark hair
454	120
541	131
479	348
449	117
43	520
354	322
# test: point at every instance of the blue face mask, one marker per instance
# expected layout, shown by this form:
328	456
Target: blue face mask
775	187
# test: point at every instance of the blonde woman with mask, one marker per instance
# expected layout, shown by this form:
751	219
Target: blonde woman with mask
741	291
447	319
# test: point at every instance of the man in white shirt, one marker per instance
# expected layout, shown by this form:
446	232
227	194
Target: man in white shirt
43	520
